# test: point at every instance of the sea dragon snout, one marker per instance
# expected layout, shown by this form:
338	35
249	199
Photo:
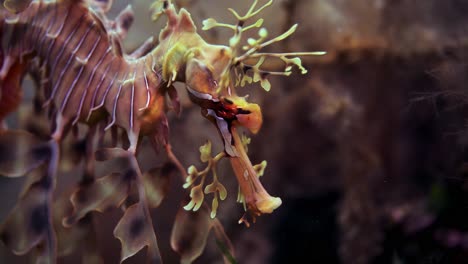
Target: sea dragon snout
228	114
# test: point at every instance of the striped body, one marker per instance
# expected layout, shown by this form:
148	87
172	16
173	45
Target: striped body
81	65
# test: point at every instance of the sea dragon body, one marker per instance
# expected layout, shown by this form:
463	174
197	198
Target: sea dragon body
83	69
74	53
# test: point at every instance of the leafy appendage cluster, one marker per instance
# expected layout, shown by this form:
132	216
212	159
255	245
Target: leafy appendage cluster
197	194
246	73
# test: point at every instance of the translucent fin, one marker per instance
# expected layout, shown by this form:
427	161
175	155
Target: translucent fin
134	233
27	223
106	192
68	238
80	235
20	152
156	182
189	234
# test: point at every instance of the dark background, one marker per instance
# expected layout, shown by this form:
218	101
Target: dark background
367	151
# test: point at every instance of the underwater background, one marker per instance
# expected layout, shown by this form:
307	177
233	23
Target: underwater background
368	151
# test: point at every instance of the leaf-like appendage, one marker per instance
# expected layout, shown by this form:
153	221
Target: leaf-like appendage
205	152
216	188
234	41
189	234
20	152
156	10
260	168
156	182
214	207
197	198
82	234
294	61
245	142
32	178
246	80
134	232
192	176
265	84
209	23
27	223
106	192
263	33
68	239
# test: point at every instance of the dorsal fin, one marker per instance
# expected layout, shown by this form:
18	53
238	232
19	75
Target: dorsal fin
116	44
185	21
99	19
177	22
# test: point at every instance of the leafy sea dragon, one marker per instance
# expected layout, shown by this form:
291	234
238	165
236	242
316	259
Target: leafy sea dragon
74	54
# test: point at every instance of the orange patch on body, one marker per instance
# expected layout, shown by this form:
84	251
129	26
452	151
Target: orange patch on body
10	89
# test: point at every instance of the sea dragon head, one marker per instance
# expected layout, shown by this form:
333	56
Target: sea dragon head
212	73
